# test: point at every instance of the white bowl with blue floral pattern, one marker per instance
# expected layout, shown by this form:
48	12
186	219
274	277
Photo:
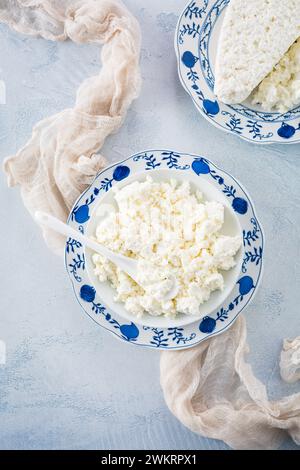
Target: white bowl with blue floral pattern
196	40
219	312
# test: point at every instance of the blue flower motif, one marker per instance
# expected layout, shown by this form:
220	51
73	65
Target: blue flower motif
189	59
130	332
81	214
207	325
240	205
121	172
286	131
245	285
211	108
87	293
200	166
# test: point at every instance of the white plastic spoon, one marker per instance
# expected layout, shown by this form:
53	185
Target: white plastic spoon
128	265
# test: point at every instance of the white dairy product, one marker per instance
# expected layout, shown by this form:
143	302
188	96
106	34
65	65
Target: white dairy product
171	231
280	90
254	37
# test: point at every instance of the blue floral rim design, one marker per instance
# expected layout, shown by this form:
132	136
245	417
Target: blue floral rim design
195	36
173	337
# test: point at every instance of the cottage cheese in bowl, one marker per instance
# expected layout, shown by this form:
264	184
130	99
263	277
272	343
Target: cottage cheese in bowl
169	228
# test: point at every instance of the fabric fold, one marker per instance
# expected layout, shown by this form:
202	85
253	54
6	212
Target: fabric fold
212	390
61	158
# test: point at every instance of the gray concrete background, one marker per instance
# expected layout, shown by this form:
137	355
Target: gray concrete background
68	384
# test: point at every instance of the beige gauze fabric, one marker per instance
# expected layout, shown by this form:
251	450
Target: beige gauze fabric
212	390
60	159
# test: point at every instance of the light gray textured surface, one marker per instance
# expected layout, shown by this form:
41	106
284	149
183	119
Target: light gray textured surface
67	383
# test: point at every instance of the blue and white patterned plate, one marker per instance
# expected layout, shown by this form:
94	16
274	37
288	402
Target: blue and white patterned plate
196	41
193	167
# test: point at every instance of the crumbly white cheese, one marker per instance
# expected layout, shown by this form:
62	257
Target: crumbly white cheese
280	90
254	37
171	230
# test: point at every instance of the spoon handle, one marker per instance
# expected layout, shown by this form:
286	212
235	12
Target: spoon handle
125	263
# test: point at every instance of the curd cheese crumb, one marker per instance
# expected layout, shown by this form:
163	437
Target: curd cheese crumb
280	90
170	231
